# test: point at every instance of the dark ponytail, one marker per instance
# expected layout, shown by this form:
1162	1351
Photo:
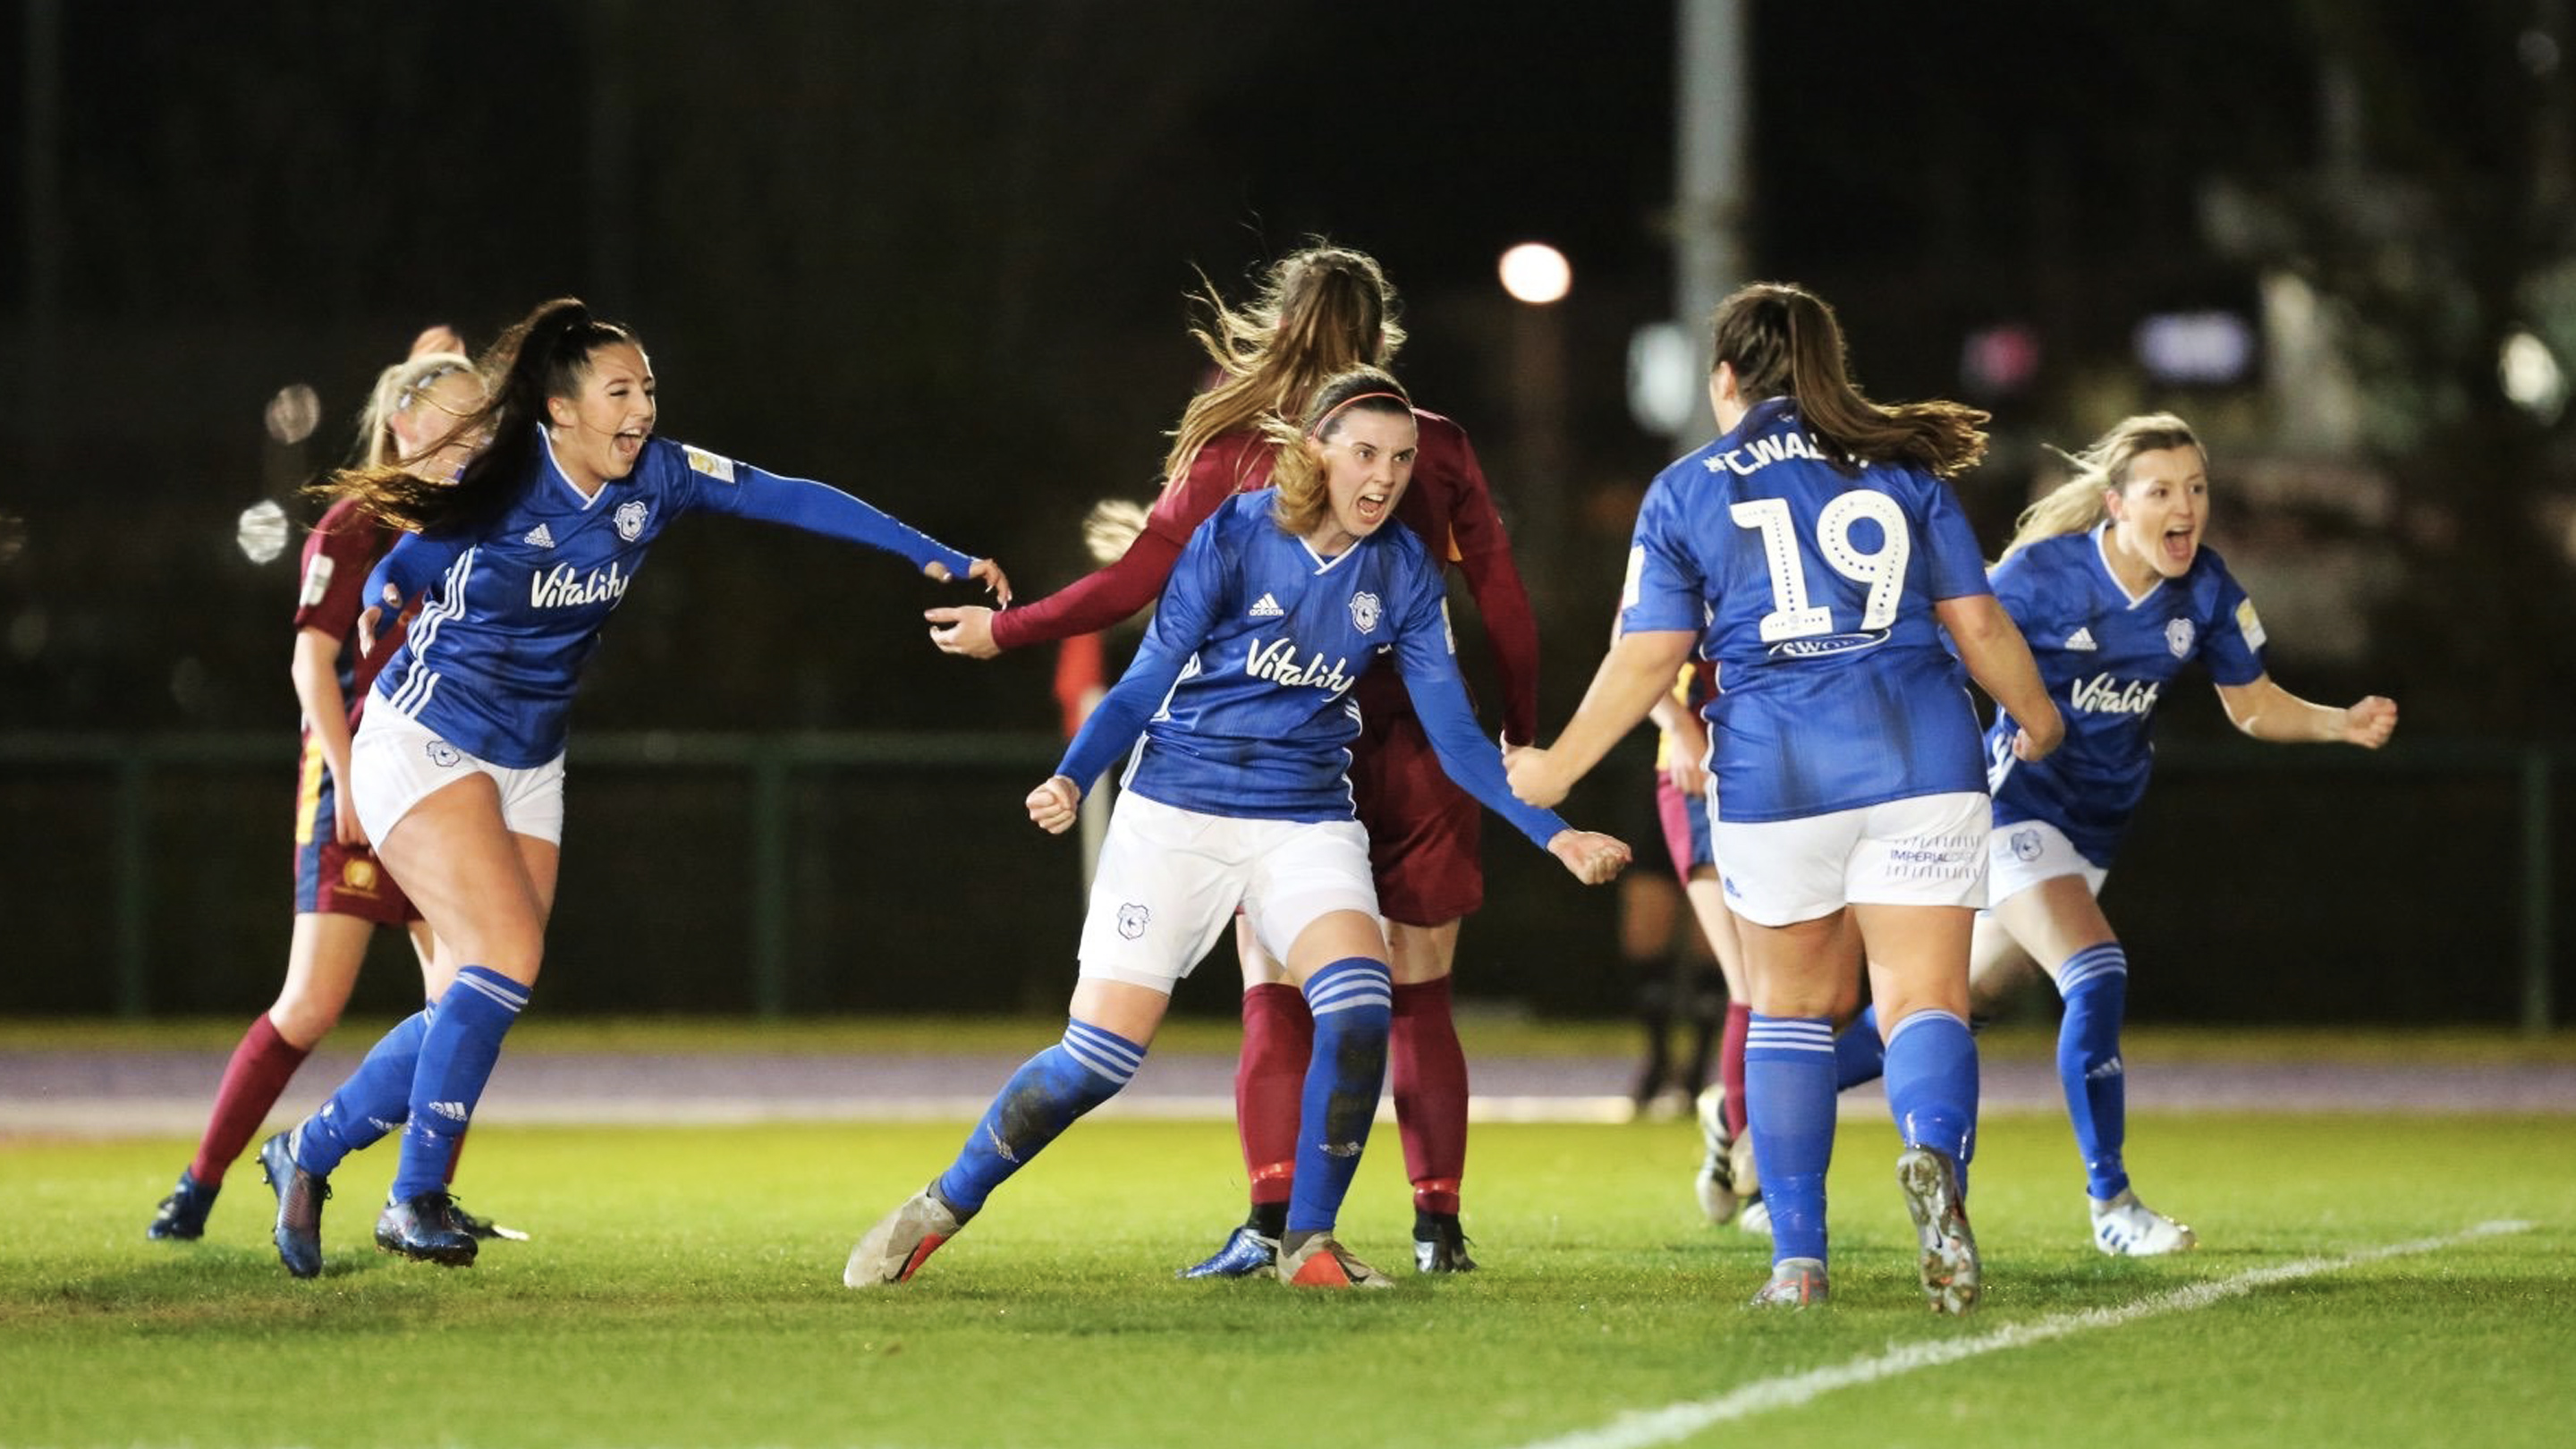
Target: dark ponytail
543	355
1783	340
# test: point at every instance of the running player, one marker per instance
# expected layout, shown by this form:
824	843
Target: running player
1239	796
1321	311
2109	580
342	894
458	765
1814	553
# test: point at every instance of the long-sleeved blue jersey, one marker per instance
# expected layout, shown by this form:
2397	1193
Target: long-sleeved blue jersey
515	606
1240	690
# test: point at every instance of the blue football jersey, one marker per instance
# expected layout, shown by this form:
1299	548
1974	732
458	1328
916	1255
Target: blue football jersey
2106	659
1811	589
1241	689
517	604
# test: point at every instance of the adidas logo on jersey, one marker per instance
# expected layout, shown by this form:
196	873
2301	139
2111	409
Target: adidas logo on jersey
539	537
1267	607
2082	638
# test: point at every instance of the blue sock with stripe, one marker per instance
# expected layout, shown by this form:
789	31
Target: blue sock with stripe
1789	1109
1932	1086
456	1057
373	1102
1042	1098
1859	1056
2095	983
1353	1003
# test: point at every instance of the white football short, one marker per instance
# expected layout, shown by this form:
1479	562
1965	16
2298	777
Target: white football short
1925	850
396	762
2026	852
1170	879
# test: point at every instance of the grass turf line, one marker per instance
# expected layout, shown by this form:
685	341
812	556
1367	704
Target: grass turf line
683	1289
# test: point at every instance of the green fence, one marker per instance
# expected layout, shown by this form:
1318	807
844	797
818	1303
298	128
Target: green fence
848	872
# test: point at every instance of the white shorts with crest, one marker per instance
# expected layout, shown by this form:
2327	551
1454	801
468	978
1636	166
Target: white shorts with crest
396	762
1925	850
2026	852
1170	879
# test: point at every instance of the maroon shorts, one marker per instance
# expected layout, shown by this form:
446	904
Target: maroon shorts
1423	829
332	879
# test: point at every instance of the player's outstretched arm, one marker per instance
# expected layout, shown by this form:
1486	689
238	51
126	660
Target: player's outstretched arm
1638	669
2266	711
1998	658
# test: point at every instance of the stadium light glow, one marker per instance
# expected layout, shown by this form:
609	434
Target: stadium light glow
261	531
2532	377
1536	273
293	414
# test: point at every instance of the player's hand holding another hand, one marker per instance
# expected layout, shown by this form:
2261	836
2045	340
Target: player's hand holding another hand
2370	722
1055	804
968	631
1534	779
1594	858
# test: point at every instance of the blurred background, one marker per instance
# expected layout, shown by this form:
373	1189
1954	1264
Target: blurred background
938	255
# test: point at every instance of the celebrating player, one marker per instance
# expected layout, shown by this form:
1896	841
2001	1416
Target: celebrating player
1815	554
1239	796
458	766
341	892
1324	310
2109	580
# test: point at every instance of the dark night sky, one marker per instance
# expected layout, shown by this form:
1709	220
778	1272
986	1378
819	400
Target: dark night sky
937	254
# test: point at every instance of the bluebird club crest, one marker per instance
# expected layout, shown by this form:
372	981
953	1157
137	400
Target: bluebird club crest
1366	611
2178	638
630	520
1131	920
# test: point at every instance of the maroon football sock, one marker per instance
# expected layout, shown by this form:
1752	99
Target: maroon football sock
259	1071
1730	1064
1270	1086
1429	1074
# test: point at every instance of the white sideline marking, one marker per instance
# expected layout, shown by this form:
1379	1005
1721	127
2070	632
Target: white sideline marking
1639	1429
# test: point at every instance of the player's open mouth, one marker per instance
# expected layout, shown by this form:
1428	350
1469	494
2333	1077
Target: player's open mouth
2179	543
1370	507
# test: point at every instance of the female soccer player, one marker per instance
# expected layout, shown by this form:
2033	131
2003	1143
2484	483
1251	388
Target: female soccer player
2109	580
1321	311
341	892
458	765
1815	555
1240	796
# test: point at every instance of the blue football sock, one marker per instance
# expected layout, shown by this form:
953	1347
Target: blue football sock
2095	983
1353	1002
456	1057
1932	1086
1789	1102
1042	1098
373	1102
1859	1056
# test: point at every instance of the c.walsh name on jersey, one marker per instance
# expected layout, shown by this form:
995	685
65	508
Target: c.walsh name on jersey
1276	661
1762	452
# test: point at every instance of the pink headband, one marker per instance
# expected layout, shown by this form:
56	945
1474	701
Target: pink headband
1317	430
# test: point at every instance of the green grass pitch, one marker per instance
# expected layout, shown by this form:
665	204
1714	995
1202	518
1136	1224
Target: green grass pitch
683	1289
